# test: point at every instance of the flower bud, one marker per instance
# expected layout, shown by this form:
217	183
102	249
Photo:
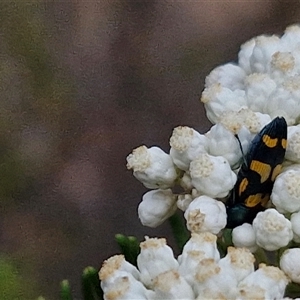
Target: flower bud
155	258
198	247
186	144
153	167
212	176
293	146
290	264
218	100
170	285
295	220
267	280
206	214
222	142
272	230
239	262
156	207
286	191
243	236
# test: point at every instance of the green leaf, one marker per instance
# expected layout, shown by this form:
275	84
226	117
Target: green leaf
224	241
292	290
180	232
129	246
91	284
65	290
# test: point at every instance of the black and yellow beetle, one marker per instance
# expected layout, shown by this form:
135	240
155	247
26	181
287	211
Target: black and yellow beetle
257	174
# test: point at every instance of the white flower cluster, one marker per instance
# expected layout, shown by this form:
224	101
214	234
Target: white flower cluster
266	79
240	99
202	176
198	273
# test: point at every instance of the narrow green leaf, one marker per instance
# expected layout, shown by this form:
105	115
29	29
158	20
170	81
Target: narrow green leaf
65	290
91	289
180	232
129	246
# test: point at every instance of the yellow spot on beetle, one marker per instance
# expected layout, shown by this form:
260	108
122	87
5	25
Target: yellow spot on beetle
256	199
269	142
264	170
253	200
243	186
284	143
276	171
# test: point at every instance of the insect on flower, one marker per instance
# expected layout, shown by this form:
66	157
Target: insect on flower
257	174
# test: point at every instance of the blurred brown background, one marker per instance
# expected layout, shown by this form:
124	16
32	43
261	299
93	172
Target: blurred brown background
82	84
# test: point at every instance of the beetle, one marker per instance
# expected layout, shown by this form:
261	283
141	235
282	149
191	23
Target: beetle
256	177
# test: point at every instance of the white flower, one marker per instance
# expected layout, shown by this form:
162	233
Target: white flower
245	124
268	281
183	201
250	293
211	294
222	142
212	175
293	146
229	75
263	120
290	42
186	144
285	100
195	193
259	87
156	207
214	279
186	181
272	230
239	262
206	214
156	257
245	54
291	38
264	48
189	264
205	242
243	119
114	266
286	191
218	99
170	285
265	80
200	246
119	277
282	66
126	288
290	264
295	220
243	236
153	167
234	121
296	55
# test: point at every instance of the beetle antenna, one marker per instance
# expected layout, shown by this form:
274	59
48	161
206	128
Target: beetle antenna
244	157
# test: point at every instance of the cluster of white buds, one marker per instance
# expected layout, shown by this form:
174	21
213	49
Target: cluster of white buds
265	79
190	166
198	273
240	99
